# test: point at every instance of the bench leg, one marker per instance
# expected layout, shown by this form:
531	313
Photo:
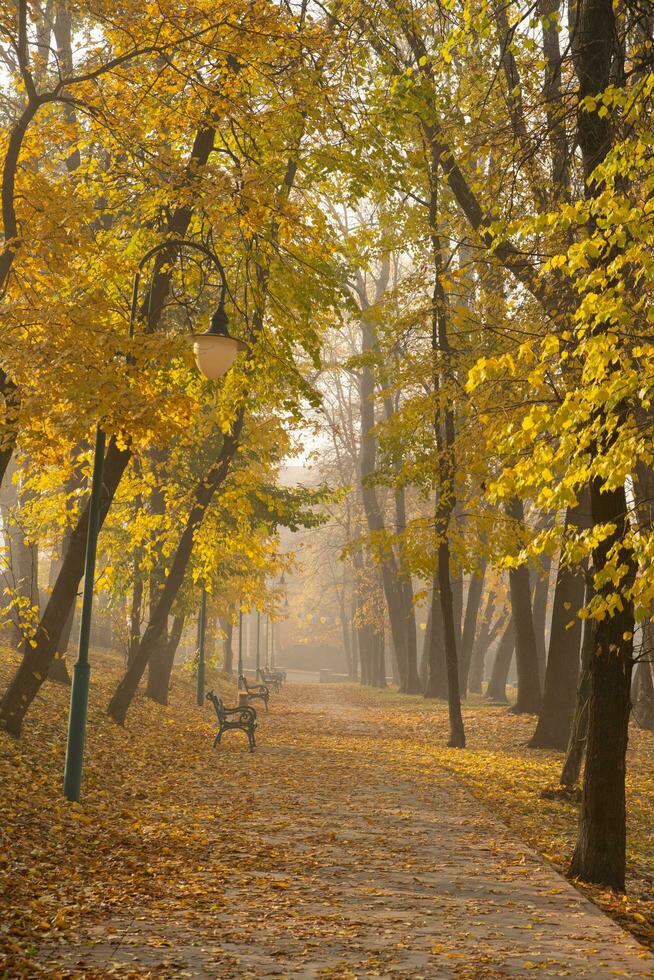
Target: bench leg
250	734
265	701
216	740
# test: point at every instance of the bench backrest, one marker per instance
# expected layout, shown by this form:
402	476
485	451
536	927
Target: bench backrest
218	705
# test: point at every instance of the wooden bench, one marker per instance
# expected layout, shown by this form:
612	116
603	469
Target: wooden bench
242	718
254	690
272	678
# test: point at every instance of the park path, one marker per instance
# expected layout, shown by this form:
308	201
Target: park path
337	863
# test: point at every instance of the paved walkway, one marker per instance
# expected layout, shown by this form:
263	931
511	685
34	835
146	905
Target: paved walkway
338	870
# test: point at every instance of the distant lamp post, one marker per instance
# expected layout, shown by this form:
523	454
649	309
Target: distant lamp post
214	352
258	642
202	630
240	647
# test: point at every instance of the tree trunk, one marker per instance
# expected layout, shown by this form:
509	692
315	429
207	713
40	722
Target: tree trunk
496	690
437	678
643	688
457	735
557	710
644	695
541	593
579	729
457	606
58	669
481	646
391	577
475	588
36	662
159	680
600	852
158	669
135	614
227	627
23	562
345	628
203	494
424	656
379	668
561	677
406	587
58	672
528	701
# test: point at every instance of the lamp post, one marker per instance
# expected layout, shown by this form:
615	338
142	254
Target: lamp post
215	352
79	692
258	643
240	647
202	629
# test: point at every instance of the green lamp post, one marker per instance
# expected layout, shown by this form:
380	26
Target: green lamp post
79	692
215	352
202	629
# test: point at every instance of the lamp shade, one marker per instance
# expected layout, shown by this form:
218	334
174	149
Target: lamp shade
215	353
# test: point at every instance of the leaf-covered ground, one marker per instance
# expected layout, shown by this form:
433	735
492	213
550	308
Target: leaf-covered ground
349	845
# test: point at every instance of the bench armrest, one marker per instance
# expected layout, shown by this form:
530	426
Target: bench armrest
244	709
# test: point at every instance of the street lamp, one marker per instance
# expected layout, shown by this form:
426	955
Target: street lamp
214	352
